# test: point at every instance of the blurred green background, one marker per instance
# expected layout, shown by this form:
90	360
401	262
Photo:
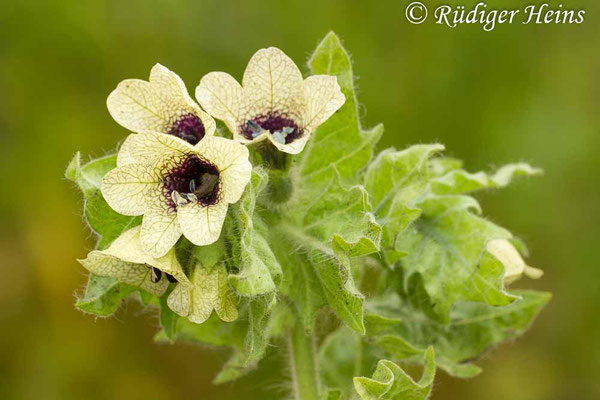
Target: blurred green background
519	93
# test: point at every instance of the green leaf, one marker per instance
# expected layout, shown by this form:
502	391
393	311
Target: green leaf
460	181
394	181
103	220
89	176
103	295
447	261
390	382
343	355
328	218
473	329
246	357
341	143
332	394
316	275
168	319
259	269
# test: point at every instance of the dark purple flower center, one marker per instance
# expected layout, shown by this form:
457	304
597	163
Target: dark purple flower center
283	129
192	180
189	128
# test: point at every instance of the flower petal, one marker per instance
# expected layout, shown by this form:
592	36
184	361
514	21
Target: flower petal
156	105
124	156
202	224
128	247
179	300
104	264
323	97
221	96
294	147
211	291
160	230
150	147
231	158
272	83
128	188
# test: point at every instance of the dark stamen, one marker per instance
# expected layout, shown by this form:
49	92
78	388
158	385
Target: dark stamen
283	129
171	278
189	128
207	185
155	275
192	180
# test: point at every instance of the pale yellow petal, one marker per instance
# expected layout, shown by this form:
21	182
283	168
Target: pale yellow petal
179	300
221	96
507	254
160	231
150	147
129	188
272	83
139	275
202	224
128	247
231	158
294	147
211	292
323	97
124	157
156	105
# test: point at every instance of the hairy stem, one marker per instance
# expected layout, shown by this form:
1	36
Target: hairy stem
302	357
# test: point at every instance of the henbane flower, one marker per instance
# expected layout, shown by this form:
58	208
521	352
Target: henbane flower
273	102
160	105
514	264
179	188
126	261
207	291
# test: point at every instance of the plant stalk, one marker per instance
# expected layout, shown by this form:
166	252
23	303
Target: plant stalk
302	357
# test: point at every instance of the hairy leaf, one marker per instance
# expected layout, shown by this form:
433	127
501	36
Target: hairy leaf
446	259
390	382
395	180
259	269
460	181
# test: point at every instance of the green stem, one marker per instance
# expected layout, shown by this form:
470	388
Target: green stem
305	378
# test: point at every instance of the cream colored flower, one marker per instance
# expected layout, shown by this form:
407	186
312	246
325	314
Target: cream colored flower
273	102
208	291
126	261
514	265
179	188
160	105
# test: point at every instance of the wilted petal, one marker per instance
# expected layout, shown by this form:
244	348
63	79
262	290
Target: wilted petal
155	106
221	96
127	189
202	224
323	97
231	158
272	83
